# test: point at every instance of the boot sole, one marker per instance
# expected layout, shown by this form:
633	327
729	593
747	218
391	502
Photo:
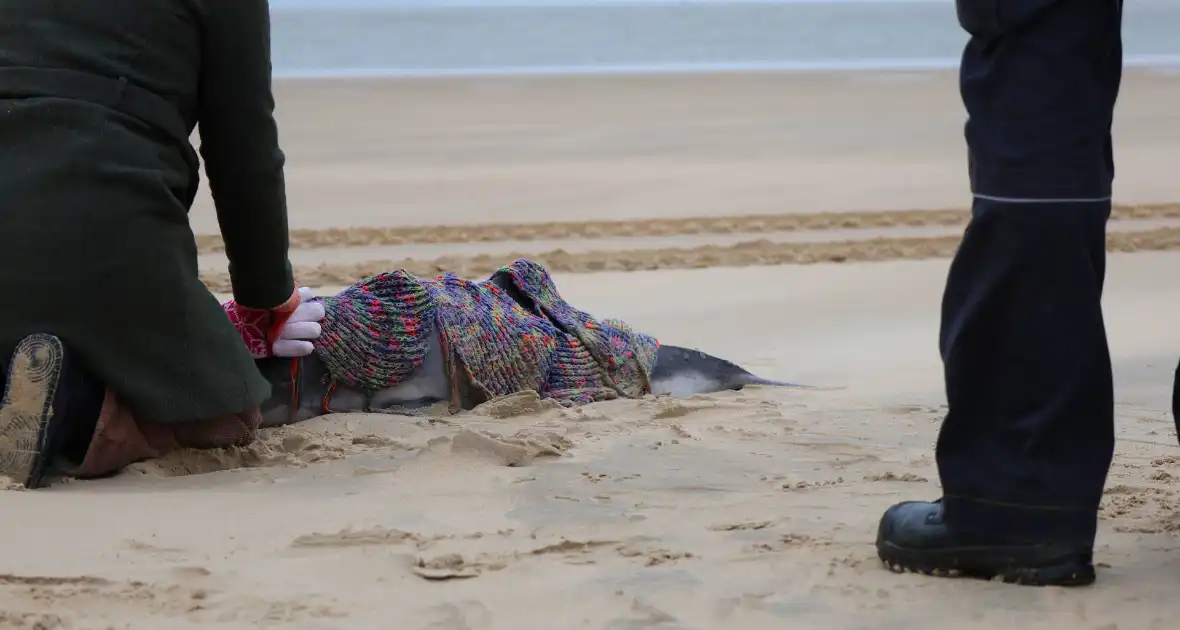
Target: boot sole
1043	566
27	408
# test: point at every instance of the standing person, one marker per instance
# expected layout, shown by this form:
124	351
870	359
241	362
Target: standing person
1028	439
118	352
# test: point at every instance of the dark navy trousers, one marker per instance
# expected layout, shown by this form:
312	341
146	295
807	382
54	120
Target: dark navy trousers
1026	445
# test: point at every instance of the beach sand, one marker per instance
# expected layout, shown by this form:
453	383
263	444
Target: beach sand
797	225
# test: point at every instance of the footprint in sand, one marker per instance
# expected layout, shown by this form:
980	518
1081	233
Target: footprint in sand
32	621
134	598
462	615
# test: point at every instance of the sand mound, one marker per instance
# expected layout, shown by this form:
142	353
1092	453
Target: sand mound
294	446
514	430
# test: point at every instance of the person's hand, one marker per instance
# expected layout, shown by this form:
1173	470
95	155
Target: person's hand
301	329
259	328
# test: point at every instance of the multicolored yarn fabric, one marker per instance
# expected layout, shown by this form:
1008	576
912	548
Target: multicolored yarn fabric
376	332
626	356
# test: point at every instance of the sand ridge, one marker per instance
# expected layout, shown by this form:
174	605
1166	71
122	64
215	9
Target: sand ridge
759	252
495	232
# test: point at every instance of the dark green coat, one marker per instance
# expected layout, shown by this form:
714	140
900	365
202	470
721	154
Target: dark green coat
95	243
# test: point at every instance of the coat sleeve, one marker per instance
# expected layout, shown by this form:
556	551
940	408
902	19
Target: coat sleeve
240	149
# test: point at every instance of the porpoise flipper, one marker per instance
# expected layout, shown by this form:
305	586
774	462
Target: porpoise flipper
683	372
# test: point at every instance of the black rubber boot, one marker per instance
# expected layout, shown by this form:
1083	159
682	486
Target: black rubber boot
50	410
913	537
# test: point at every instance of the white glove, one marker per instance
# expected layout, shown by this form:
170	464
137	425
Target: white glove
302	328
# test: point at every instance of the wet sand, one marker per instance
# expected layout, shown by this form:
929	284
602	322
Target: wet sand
754	509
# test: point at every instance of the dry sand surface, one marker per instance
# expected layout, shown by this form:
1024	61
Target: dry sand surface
753	509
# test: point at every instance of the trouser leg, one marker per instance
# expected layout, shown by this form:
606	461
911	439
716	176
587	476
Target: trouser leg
56	414
1027	442
120	439
1176	400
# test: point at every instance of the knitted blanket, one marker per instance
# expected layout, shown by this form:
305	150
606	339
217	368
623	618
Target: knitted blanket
376	334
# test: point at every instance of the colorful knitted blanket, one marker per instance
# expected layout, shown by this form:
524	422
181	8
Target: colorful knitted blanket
376	334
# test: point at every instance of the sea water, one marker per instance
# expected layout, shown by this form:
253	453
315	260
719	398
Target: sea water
321	38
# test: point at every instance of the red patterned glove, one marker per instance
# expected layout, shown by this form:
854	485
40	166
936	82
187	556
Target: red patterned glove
261	328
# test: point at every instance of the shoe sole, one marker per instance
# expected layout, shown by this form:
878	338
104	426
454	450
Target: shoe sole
1052	568
27	408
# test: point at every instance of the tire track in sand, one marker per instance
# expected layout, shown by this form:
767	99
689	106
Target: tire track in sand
744	254
495	232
